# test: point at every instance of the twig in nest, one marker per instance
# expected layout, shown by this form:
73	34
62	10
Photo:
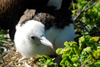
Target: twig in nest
11	56
4	46
5	41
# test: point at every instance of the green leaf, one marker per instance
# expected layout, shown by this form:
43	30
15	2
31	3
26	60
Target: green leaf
96	54
59	51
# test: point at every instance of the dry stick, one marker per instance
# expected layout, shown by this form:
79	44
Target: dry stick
4	46
8	58
2	57
90	7
5	41
93	33
4	38
89	63
73	5
84	9
11	56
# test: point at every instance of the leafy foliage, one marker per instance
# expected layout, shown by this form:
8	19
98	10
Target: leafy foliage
2	40
74	56
86	16
46	61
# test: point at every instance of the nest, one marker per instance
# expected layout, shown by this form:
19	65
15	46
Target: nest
9	57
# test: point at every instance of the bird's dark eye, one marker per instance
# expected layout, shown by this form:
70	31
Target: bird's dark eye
33	37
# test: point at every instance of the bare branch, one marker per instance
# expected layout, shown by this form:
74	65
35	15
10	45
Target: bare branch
90	7
84	9
86	5
73	4
90	63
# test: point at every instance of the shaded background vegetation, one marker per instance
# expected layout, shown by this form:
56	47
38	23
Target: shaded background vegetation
87	17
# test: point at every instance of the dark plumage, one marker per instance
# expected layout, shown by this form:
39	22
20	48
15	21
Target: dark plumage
28	14
49	17
12	10
8	11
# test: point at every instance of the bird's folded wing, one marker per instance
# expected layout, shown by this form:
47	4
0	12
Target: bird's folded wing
28	14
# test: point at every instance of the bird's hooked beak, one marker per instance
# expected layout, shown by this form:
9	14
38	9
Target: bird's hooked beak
46	42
